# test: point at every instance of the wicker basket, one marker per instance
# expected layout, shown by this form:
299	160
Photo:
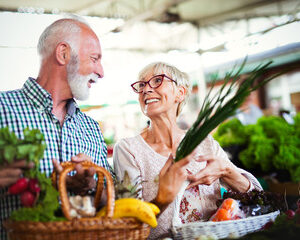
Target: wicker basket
219	230
83	228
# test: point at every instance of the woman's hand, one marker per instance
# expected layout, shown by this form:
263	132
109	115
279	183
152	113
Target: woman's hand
171	178
10	173
217	168
83	180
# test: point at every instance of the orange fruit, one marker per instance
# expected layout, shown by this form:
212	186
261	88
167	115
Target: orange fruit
229	204
221	215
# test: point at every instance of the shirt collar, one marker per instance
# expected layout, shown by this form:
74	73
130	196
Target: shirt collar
42	99
72	107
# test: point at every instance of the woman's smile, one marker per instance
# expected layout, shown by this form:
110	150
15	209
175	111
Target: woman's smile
151	100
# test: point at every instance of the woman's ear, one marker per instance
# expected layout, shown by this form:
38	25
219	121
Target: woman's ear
62	53
180	96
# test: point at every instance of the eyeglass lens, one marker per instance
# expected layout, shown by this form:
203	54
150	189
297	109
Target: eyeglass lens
154	82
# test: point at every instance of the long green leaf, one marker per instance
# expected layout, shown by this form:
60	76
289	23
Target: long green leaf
214	110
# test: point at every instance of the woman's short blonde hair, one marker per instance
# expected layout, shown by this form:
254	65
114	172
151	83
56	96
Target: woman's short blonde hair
180	77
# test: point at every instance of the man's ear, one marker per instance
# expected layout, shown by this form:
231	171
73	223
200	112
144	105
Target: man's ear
62	53
181	91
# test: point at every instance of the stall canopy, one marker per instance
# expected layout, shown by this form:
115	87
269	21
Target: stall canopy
198	36
198	12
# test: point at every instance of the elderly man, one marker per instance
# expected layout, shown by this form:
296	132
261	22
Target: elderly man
70	63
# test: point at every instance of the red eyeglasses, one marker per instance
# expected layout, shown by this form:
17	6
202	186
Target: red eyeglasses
153	82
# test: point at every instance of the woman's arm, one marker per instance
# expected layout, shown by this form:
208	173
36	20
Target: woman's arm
220	167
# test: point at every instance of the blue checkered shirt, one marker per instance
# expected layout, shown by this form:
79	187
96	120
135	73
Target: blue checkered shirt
31	107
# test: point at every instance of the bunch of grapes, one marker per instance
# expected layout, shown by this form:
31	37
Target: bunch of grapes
28	189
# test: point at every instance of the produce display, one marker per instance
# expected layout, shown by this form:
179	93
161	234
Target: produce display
31	147
40	200
37	195
236	205
286	226
81	207
229	210
270	144
256	202
254	207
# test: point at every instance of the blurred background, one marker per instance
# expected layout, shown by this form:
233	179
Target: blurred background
205	38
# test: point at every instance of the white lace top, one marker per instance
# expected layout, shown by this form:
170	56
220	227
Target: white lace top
136	157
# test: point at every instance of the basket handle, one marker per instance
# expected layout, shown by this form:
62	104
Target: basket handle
70	166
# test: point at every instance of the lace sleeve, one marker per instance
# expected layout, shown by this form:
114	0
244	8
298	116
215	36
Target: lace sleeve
124	160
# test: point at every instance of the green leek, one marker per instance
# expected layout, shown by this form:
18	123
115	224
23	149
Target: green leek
215	110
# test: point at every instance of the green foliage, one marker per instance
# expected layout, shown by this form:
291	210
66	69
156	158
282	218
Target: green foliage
231	133
31	148
109	140
272	144
46	206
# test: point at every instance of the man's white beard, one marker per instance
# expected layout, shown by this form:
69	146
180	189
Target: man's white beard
79	85
77	82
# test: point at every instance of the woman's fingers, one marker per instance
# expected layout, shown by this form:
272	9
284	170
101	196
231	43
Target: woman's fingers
205	180
193	185
203	158
168	163
183	162
197	176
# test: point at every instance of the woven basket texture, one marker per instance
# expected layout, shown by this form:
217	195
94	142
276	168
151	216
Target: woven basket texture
82	228
112	229
223	229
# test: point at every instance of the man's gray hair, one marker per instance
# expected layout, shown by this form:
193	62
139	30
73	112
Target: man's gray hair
63	30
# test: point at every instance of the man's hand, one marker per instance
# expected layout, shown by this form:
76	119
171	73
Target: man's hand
83	180
10	173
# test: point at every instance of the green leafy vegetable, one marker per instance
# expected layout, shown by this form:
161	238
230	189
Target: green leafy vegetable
271	143
31	148
231	133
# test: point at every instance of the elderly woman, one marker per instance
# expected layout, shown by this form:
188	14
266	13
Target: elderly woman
162	90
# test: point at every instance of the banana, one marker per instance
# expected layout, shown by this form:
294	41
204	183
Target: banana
132	207
154	208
